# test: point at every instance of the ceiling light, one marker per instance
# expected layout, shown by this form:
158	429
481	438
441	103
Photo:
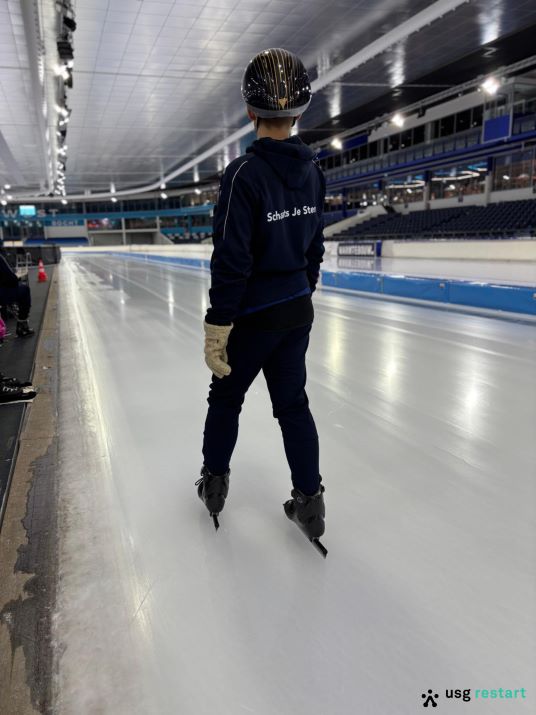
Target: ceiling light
197	191
9	197
163	195
3	202
506	177
490	85
64	201
162	186
7	187
62	71
113	200
336	143
398	120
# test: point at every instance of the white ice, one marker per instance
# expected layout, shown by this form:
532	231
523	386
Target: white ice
427	422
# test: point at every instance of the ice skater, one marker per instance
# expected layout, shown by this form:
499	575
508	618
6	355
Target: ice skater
268	246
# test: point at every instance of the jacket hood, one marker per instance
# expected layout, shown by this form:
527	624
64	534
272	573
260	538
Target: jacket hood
291	159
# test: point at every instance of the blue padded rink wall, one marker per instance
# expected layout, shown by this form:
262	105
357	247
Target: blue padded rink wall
426	420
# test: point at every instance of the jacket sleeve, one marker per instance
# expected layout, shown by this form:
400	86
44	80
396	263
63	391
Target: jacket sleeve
232	258
8	278
316	249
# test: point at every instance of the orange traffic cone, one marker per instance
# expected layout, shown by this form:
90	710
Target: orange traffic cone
41	273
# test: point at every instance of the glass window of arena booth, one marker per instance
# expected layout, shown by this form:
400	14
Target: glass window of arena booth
514	171
458	181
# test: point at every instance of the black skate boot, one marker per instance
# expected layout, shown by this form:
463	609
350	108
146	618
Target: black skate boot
23	329
15	394
13	382
308	513
212	489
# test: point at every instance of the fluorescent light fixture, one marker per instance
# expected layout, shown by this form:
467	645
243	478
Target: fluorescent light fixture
163	195
112	188
398	120
336	143
490	85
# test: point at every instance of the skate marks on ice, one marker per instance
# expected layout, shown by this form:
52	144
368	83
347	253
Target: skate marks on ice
421	416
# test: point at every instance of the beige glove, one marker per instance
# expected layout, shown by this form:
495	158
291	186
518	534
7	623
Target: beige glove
216	337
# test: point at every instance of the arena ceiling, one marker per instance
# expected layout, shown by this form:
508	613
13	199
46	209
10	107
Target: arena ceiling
157	83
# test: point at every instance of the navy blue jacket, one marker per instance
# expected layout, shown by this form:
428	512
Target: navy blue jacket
268	240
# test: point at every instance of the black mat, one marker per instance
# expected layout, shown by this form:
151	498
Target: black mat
17	357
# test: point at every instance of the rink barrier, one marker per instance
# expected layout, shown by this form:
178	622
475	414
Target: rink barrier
492	296
472	294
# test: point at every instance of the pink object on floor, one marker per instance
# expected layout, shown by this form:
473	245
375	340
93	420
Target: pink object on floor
3	329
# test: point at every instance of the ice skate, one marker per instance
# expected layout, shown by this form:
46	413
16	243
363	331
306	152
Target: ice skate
308	513
10	395
13	382
212	489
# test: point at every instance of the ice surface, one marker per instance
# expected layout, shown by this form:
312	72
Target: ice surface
427	421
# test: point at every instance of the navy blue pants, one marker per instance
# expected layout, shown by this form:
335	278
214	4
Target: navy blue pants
20	295
281	357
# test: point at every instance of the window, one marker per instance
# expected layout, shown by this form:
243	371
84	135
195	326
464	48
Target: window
477	115
446	126
406	139
419	134
463	121
515	171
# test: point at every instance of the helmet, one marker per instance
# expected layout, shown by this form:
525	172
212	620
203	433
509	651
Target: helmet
276	84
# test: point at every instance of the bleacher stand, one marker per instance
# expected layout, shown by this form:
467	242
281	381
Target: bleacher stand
507	218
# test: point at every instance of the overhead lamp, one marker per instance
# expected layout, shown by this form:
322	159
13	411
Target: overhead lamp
197	191
9	197
162	186
506	177
336	143
398	120
62	71
7	187
113	200
64	202
490	85
163	195
3	202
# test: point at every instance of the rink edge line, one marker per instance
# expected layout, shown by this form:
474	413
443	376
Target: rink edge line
511	302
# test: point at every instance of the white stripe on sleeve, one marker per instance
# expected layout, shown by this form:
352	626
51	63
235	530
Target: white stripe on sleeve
230	194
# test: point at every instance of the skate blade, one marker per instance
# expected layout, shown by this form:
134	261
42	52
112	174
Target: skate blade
216	522
319	547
